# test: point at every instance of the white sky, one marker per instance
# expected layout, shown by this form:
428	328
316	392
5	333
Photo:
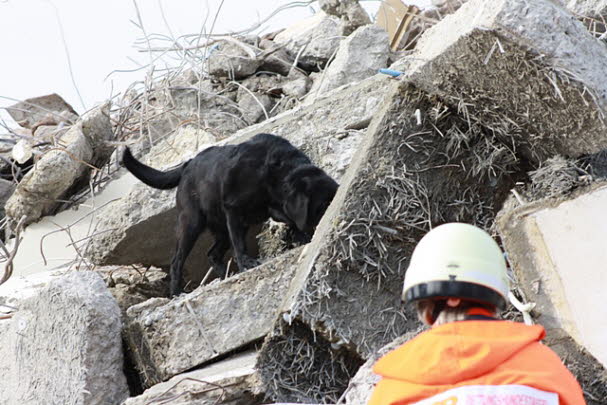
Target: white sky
99	36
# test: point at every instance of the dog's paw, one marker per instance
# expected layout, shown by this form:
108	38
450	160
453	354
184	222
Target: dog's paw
249	263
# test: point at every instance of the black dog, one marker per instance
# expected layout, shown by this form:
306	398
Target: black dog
229	188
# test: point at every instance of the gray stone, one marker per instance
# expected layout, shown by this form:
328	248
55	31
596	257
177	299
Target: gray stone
256	106
350	11
312	41
254	96
233	381
329	131
170	337
234	60
44	110
63	346
277	59
297	88
359	56
49	133
58	170
528	69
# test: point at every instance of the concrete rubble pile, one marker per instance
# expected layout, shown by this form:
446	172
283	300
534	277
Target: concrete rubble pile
493	122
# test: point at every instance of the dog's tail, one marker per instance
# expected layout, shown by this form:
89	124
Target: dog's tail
150	176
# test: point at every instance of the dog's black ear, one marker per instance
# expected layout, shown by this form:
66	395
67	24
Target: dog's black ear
296	208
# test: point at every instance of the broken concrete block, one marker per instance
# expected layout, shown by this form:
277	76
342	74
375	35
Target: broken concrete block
350	11
59	170
63	346
328	131
528	69
554	269
170	337
420	164
312	41
233	59
44	110
230	381
359	56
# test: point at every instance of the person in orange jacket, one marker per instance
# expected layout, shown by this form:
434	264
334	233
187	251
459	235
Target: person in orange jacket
458	279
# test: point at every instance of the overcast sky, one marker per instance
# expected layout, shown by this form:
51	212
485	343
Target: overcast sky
72	47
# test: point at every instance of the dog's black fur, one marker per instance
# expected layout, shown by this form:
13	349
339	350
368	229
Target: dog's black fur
229	188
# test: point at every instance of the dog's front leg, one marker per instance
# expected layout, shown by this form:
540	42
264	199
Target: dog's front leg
238	231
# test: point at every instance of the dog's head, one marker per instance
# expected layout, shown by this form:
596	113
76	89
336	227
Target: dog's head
309	192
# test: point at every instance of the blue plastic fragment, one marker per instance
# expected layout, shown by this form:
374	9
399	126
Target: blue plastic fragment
391	72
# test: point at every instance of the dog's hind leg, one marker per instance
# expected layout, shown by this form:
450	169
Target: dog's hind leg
238	233
218	251
190	224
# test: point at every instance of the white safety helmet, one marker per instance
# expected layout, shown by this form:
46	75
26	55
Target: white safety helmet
457	260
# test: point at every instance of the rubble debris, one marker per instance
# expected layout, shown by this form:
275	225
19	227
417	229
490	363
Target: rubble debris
233	59
170	337
312	41
329	131
230	381
254	96
542	240
63	169
359	56
405	178
277	60
63	345
544	86
45	110
350	11
297	88
177	103
133	285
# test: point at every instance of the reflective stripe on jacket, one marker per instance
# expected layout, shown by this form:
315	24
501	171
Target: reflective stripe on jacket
473	354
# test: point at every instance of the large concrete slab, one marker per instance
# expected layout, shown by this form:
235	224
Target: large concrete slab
557	248
420	165
63	346
528	69
170	337
142	222
231	381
